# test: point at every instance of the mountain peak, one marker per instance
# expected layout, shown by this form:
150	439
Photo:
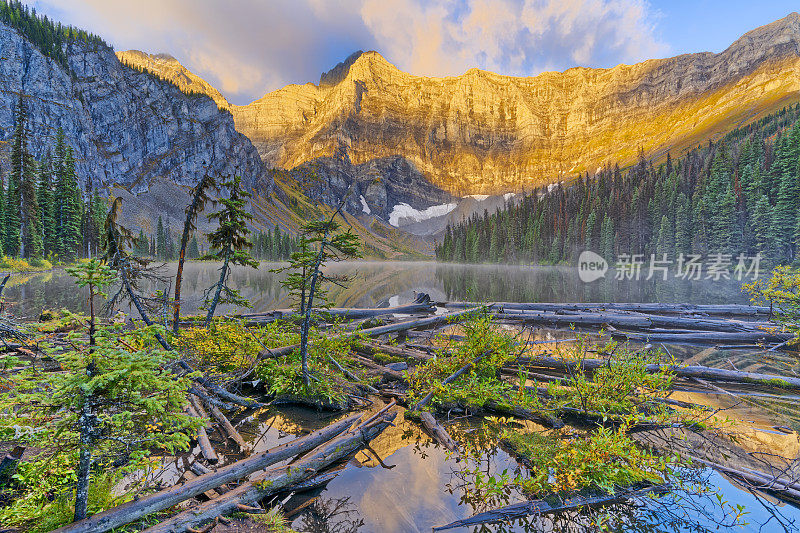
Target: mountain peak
171	69
780	32
339	72
359	59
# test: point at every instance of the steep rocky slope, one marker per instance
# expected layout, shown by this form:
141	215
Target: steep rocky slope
169	68
483	132
126	127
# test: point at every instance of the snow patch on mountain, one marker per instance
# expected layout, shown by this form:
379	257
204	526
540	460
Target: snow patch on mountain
364	207
403	211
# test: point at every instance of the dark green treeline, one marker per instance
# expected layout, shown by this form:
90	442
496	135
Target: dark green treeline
45	214
269	245
740	195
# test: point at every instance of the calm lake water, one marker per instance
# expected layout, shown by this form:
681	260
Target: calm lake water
376	284
419	486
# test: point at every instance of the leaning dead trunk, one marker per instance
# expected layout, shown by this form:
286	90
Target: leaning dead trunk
276	479
220	284
133	510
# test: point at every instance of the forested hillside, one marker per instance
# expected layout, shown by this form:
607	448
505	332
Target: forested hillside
739	195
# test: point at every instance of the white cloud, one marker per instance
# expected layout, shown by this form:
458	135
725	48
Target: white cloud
519	37
248	47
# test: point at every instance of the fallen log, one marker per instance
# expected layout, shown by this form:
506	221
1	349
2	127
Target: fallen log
437	431
758	480
428	322
231	431
8	466
525	414
391	375
202	436
655	308
349	375
634	321
540	507
449	379
702	372
133	510
707	337
210	493
199	469
421	304
370	349
277	479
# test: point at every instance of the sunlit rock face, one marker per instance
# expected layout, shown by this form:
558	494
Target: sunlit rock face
485	133
169	68
125	126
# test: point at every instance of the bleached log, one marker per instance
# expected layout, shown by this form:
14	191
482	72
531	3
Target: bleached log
133	510
437	431
428	322
421	304
695	371
549	506
655	308
276	479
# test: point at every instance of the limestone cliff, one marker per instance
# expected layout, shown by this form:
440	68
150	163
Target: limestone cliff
170	69
125	126
484	133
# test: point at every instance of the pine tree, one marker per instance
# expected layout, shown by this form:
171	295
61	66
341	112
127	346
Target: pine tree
607	246
664	244
141	246
784	215
588	237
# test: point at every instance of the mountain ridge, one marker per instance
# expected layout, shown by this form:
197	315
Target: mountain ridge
482	132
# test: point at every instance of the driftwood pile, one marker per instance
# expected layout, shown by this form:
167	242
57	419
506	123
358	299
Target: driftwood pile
322	448
645	322
214	492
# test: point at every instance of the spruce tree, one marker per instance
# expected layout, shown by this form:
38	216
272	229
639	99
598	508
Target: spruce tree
44	194
68	205
13	205
161	240
232	245
193	249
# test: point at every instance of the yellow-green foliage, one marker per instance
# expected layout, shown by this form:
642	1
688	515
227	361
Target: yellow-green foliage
284	375
17	264
229	345
273	521
480	383
138	405
620	387
60	320
604	459
782	292
61	511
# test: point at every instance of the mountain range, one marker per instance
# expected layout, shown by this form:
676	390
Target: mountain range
409	151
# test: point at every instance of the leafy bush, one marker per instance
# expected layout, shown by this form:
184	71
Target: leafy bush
782	293
480	383
604	459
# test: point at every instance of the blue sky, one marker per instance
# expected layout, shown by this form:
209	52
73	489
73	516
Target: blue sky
246	48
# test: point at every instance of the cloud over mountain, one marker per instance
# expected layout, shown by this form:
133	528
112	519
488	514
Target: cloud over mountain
249	47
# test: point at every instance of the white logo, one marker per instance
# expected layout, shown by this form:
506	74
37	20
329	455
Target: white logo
591	266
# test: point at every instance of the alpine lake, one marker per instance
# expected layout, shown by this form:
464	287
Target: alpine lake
405	482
